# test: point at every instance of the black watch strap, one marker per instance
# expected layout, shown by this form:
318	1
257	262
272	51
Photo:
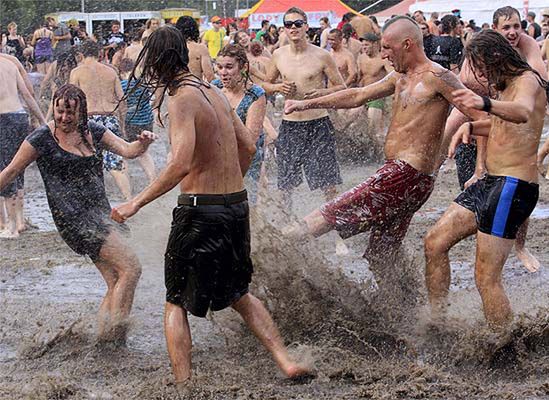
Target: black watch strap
487	104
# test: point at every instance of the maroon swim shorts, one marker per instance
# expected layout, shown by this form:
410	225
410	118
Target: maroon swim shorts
384	204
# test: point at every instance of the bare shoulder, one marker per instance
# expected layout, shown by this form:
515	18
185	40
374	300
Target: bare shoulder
528	45
280	52
202	49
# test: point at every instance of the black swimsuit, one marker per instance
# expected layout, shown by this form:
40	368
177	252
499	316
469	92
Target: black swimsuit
75	190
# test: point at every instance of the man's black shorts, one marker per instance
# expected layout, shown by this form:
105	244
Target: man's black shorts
466	162
14	128
207	262
501	204
309	145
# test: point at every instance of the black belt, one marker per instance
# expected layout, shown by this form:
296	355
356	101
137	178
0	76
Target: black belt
212	199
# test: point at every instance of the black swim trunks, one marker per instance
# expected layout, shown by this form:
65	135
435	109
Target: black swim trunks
309	145
207	262
14	127
501	204
466	162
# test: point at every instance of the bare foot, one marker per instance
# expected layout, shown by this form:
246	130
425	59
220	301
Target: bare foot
297	371
9	235
26	226
527	259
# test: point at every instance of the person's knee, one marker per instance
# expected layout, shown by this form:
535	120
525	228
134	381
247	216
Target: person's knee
435	244
486	281
244	303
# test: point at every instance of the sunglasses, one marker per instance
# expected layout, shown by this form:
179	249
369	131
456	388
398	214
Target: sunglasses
298	23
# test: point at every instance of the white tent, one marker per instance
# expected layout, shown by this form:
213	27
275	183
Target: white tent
480	11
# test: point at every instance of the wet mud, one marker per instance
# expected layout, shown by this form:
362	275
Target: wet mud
363	342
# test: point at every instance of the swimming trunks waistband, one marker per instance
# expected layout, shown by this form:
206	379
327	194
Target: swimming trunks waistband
212	199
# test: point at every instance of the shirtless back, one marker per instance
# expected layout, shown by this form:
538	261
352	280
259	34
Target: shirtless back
99	82
200	63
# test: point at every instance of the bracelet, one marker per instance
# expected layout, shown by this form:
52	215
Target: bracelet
487	104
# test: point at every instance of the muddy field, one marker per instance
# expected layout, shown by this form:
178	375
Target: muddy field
361	344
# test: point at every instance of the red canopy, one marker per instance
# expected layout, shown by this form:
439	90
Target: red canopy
273	11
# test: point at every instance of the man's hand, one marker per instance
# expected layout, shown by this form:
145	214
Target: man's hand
291	106
467	99
146	138
288	88
478	175
124	211
461	136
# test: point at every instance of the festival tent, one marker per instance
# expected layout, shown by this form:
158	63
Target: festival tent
273	11
398	9
480	11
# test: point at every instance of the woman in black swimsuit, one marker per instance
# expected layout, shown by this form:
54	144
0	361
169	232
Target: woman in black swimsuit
68	153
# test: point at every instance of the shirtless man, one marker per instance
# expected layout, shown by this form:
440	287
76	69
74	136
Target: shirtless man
103	91
135	47
344	59
385	203
470	165
14	126
212	150
372	68
495	206
200	63
306	139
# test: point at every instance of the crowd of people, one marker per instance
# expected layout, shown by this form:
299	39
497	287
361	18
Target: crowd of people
476	94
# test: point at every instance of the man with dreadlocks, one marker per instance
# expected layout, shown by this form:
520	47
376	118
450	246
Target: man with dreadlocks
200	62
495	206
207	262
470	158
68	153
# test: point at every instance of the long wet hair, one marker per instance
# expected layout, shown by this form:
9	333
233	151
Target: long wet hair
188	28
66	62
69	93
491	51
164	58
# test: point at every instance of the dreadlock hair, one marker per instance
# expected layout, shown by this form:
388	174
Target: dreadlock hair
490	51
188	28
163	59
239	54
69	93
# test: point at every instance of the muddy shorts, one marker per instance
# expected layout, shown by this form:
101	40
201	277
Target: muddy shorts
14	127
207	262
379	104
501	204
309	145
111	161
466	162
133	131
384	204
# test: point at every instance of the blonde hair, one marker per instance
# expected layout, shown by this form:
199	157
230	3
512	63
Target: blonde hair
12	25
149	22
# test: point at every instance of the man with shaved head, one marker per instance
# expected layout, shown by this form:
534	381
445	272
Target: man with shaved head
385	203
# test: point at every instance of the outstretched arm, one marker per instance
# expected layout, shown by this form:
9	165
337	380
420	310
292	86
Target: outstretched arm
127	150
23	158
348	98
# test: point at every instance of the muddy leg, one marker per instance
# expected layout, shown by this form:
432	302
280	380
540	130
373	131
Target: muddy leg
262	325
527	259
122	180
178	341
104	314
20	219
11	218
456	224
492	252
3	217
116	256
147	163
